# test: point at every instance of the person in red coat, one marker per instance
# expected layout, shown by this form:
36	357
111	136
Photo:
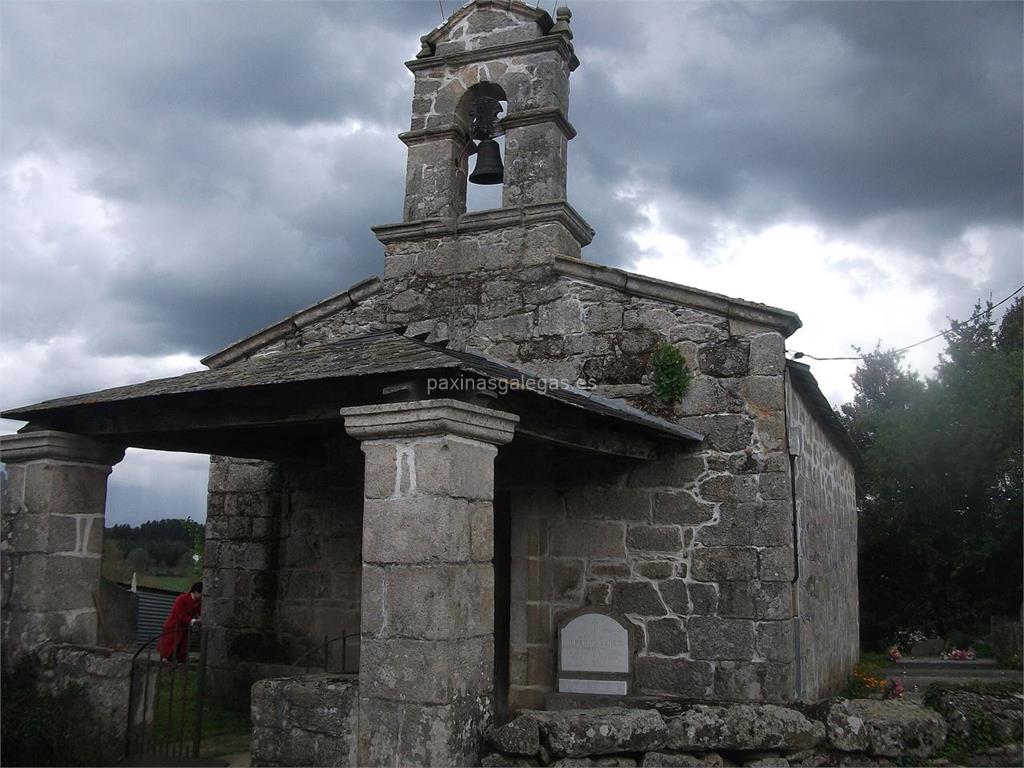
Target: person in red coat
185	613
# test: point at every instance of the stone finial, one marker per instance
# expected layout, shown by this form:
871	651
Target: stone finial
561	26
426	49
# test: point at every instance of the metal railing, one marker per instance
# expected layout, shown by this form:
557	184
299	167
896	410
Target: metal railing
160	709
325	647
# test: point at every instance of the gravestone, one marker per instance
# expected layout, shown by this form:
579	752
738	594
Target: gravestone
594	655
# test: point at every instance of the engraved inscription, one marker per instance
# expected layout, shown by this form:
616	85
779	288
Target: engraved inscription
594	642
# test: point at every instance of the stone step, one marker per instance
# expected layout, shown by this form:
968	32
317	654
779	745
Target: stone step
954	674
915	686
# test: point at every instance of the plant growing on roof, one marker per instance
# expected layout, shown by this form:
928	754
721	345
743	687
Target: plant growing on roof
671	373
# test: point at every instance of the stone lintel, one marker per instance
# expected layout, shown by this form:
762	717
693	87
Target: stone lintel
769	318
516	120
495	218
555	43
426	418
58	446
540	115
423	135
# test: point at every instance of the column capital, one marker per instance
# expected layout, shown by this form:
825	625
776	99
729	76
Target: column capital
58	446
424	418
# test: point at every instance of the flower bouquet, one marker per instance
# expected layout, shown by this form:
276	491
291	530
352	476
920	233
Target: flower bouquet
959	654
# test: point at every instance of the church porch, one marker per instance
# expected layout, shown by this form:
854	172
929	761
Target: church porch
341	511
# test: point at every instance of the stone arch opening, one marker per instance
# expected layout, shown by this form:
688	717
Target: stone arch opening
479	197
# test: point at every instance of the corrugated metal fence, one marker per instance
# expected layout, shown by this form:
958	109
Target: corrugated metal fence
154	607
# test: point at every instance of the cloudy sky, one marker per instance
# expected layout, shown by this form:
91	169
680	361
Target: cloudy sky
176	175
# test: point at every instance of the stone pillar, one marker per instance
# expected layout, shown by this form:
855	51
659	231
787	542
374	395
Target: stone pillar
51	543
426	666
435	177
536	146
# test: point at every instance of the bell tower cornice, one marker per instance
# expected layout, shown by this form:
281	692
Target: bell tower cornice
555	44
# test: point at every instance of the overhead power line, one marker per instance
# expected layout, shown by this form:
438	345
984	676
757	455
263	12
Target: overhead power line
976	315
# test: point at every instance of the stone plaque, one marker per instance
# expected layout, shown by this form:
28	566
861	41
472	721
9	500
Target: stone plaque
594	642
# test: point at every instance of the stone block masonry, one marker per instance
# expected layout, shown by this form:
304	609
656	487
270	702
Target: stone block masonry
51	537
846	733
826	514
307	720
104	675
690	536
426	674
282	567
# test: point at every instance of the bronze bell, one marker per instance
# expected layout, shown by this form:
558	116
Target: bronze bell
489	169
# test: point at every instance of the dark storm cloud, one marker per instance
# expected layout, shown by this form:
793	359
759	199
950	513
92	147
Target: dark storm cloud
245	149
174	176
840	113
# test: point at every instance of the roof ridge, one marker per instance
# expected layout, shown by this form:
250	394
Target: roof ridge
271	333
783	320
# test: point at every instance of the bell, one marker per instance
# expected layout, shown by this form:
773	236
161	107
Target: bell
489	169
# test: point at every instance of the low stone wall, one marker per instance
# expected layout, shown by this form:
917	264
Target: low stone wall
104	674
839	732
305	720
985	722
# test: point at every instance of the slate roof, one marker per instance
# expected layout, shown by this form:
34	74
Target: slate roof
383	352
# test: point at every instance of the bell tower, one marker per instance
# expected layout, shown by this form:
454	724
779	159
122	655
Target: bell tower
490	55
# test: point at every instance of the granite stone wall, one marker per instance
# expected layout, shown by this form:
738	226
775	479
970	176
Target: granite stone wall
305	720
282	566
826	506
51	546
842	732
105	677
695	548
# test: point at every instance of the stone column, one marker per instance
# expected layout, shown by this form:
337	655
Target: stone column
536	146
426	666
54	501
435	179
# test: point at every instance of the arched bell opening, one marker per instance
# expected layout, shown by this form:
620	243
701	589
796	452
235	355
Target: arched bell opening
479	114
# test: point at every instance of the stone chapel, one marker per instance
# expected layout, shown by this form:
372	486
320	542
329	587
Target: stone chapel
449	461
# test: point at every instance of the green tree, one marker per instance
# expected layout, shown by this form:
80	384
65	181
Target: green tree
940	483
197	536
